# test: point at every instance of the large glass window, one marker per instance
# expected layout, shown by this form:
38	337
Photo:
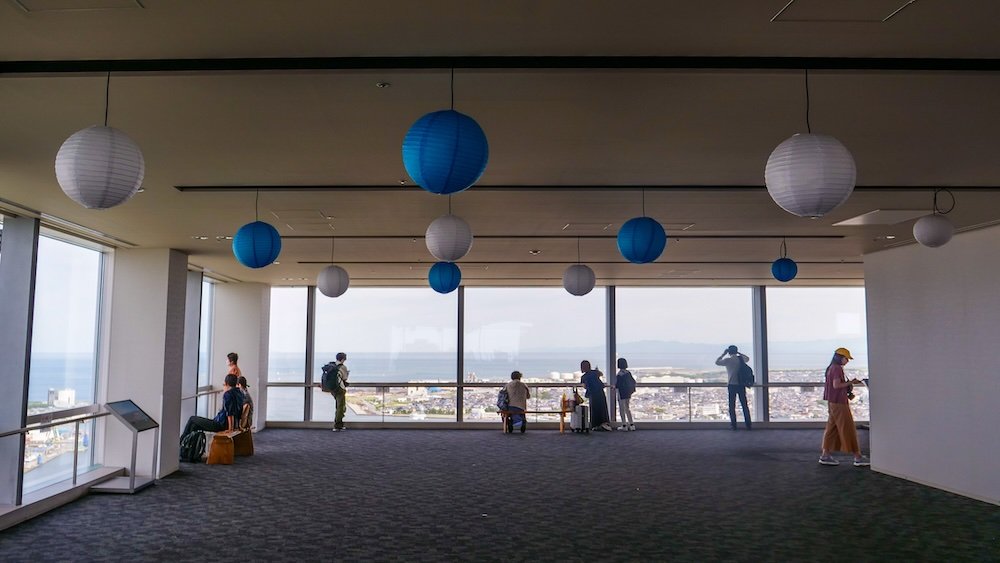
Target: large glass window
672	337
63	365
205	344
397	335
286	360
804	326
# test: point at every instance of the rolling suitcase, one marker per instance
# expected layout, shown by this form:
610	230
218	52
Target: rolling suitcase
579	420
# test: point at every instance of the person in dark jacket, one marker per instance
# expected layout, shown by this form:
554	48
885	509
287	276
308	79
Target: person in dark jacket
228	418
732	359
591	380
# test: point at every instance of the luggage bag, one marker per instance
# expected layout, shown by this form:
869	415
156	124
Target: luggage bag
579	420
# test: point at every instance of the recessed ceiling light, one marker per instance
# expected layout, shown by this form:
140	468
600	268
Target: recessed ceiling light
383	84
199	237
534	252
402	182
276	262
890	237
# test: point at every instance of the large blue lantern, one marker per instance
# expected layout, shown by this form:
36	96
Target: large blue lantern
445	152
445	277
784	269
641	240
256	244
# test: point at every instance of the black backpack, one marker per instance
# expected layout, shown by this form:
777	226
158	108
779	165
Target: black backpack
193	447
745	374
330	380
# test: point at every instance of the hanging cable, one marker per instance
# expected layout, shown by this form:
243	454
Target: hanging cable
333	248
808	126
256	207
784	248
643	202
453	89
938	210
107	98
577	250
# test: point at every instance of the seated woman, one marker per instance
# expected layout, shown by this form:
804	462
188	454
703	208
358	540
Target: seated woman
244	388
518	395
227	419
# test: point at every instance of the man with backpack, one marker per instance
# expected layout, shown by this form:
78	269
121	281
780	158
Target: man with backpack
334	380
736	364
226	420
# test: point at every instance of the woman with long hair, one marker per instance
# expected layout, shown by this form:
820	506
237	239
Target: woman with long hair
841	435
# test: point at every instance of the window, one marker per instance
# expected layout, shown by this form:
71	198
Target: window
205	345
286	360
671	337
390	335
804	326
63	365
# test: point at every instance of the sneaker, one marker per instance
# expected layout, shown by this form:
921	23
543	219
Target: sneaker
607	427
336	429
631	427
828	460
623	428
862	462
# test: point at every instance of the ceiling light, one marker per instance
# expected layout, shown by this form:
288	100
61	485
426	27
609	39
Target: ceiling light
890	237
199	237
534	252
381	84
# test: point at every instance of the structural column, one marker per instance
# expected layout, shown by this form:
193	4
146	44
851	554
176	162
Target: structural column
240	324
19	252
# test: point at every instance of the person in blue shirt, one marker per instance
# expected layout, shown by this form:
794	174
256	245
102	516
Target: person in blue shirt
227	419
591	380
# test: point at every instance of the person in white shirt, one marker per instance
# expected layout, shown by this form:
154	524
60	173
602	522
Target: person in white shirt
517	402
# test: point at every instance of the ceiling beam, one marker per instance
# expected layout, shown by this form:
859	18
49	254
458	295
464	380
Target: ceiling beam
551	188
506	63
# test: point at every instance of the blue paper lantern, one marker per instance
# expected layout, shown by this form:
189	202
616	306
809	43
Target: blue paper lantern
445	152
784	269
445	277
641	240
256	244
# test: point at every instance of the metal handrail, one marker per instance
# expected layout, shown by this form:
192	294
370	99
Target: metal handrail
202	394
55	422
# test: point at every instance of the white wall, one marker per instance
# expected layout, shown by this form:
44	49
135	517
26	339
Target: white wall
146	350
240	324
933	335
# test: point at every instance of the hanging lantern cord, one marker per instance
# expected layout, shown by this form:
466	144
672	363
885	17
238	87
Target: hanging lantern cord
808	126
256	207
107	97
333	248
577	250
453	89
784	249
938	210
643	202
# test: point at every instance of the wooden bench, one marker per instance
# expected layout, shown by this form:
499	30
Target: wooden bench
226	445
504	415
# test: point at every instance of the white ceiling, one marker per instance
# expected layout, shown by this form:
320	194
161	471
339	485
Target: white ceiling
682	132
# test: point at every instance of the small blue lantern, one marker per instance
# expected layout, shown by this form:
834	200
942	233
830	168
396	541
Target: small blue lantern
784	269
256	244
445	277
445	152
641	240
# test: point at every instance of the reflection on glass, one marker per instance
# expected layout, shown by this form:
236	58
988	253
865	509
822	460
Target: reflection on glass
285	404
48	454
389	334
542	332
286	358
63	373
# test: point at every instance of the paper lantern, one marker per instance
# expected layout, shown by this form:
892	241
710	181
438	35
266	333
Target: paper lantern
578	279
256	244
444	277
641	240
933	230
333	281
784	269
449	238
809	174
99	167
445	152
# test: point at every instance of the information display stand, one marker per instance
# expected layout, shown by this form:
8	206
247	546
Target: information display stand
136	420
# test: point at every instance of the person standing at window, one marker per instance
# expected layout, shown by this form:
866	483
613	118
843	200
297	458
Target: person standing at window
339	392
732	359
841	435
591	380
517	402
231	359
625	384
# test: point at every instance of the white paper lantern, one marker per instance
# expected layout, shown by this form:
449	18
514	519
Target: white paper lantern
579	279
333	281
99	167
449	238
810	175
933	230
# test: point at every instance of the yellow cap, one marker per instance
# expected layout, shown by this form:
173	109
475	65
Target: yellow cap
844	352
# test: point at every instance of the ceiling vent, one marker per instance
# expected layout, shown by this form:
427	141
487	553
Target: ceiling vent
37	6
883	217
842	11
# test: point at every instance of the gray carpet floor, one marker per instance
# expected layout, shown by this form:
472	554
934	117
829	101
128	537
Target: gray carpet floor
447	495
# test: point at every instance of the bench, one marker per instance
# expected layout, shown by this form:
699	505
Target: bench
226	445
504	415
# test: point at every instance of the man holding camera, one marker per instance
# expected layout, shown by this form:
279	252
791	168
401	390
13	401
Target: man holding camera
732	359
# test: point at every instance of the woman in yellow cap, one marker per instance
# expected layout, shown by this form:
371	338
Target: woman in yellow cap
841	435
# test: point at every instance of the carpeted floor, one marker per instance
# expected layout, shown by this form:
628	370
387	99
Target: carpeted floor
445	495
